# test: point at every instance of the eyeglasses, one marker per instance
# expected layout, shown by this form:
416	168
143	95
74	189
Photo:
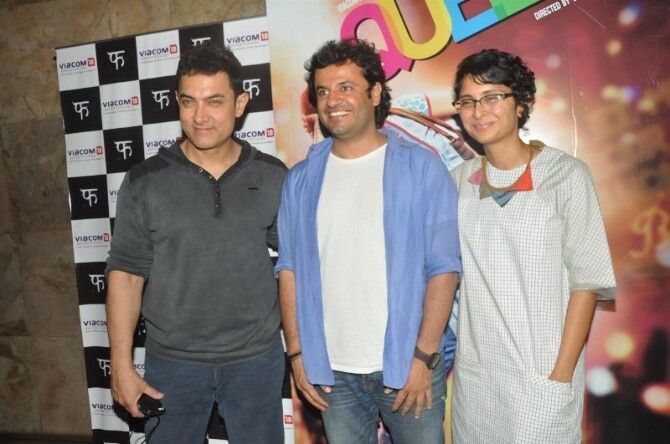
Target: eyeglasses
487	102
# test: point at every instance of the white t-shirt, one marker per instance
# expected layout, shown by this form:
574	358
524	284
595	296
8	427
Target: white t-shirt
350	227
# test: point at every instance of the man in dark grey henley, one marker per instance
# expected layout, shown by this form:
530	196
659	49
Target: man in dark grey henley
193	226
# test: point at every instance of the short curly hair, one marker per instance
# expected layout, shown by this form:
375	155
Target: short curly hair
502	68
210	58
365	56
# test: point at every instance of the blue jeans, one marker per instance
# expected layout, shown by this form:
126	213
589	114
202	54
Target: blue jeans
249	395
357	401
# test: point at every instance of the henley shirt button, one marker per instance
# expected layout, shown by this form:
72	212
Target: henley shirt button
199	170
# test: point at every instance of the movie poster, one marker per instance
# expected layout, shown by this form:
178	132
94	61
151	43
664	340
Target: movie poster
603	79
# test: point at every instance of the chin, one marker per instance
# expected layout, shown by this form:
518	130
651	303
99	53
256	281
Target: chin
484	138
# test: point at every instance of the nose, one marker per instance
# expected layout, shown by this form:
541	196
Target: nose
200	113
478	109
333	99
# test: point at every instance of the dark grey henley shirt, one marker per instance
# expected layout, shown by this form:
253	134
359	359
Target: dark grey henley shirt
202	245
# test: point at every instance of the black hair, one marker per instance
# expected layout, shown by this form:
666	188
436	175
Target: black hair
210	58
365	56
502	68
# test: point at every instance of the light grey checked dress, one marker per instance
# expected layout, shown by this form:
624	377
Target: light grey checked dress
521	261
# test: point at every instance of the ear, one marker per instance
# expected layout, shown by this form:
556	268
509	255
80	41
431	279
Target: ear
376	93
519	111
241	103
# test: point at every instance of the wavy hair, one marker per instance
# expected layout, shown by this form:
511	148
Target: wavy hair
365	56
502	68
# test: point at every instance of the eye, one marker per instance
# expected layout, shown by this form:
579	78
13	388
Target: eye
491	99
321	93
216	102
467	103
186	102
346	88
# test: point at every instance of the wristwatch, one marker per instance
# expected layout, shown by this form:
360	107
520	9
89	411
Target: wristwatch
431	360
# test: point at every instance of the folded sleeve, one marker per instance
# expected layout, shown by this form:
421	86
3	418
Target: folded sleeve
131	248
586	253
284	224
441	240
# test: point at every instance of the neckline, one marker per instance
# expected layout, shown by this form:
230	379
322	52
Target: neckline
524	182
372	154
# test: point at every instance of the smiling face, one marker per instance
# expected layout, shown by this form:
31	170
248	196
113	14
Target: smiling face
346	102
497	125
208	109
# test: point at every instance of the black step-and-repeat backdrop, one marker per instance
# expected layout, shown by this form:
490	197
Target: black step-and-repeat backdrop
118	104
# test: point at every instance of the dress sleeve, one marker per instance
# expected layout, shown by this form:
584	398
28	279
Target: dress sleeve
586	253
132	248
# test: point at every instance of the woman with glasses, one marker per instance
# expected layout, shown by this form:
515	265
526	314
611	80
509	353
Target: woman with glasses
535	261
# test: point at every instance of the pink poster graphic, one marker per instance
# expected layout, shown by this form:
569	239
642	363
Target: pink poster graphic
603	79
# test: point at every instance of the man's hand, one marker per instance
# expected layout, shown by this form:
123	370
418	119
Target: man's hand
127	387
418	390
307	389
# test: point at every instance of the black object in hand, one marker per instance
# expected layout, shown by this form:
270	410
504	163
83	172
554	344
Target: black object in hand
149	406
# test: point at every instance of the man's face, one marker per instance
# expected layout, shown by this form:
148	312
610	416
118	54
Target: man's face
493	125
208	109
345	102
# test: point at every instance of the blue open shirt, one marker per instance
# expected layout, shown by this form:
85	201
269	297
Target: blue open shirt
421	240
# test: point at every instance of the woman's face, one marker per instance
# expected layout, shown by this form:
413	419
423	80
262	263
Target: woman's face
493	123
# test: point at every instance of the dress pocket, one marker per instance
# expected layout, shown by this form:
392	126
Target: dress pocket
548	412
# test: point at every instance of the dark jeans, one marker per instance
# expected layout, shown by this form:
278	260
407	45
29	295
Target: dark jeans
249	395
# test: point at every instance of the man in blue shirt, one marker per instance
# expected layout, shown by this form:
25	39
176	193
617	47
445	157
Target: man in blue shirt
368	260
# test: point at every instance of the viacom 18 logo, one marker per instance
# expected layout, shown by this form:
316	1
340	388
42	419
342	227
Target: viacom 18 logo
92	240
105	415
102	408
248	40
159	53
70	67
255	135
151	147
78	154
120	104
95	325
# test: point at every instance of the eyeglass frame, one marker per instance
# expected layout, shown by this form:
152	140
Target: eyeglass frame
458	105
